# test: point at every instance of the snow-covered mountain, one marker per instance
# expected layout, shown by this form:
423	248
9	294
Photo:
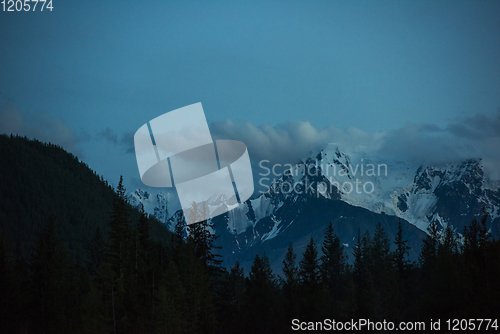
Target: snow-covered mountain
157	205
453	193
352	190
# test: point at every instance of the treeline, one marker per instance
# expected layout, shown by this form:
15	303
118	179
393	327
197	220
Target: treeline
39	179
456	277
129	283
126	283
76	258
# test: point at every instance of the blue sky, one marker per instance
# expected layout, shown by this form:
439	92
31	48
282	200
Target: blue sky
88	74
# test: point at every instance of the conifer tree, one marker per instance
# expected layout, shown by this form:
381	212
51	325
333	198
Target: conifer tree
96	253
291	284
21	273
381	249
333	269
180	231
7	297
51	284
290	269
401	253
309	265
94	311
120	230
477	258
444	286
121	280
261	297
145	280
197	285
427	260
261	271
363	281
428	253
172	313
202	238
311	294
231	314
449	242
402	267
385	291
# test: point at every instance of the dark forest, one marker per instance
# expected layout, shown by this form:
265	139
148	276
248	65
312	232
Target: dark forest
75	257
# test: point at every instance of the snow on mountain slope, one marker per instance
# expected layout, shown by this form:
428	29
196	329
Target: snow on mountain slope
352	190
158	205
418	194
453	194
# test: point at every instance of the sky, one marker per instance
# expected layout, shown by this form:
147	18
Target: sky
409	79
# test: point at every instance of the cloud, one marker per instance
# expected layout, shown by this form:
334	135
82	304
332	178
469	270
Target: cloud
477	127
291	141
126	140
427	144
476	136
41	127
109	135
424	144
284	143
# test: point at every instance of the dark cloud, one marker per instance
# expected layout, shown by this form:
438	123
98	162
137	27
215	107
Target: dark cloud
109	135
477	127
470	137
125	140
41	127
419	144
428	144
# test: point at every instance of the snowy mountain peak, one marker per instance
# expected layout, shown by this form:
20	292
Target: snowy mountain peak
453	193
157	205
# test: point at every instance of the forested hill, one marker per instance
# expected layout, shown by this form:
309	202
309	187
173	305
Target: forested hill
121	280
38	180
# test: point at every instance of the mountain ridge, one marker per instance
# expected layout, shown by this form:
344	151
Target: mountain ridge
333	181
38	180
